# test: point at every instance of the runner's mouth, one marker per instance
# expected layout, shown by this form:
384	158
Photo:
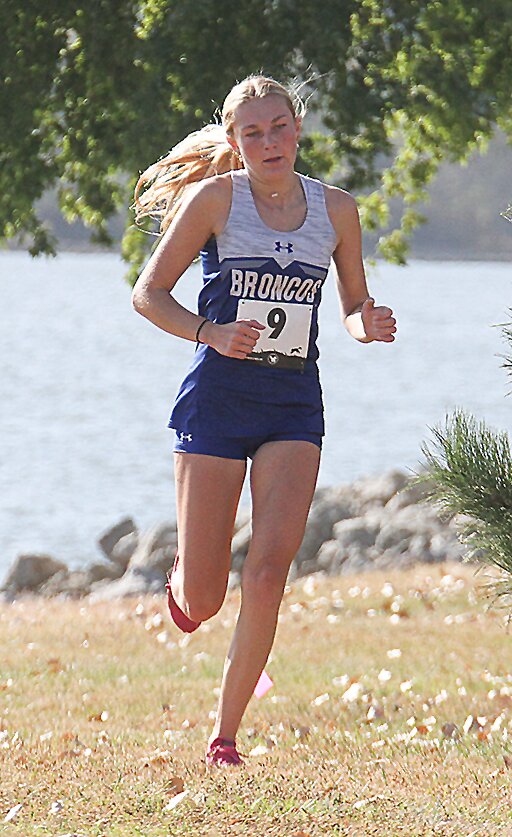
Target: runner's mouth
272	159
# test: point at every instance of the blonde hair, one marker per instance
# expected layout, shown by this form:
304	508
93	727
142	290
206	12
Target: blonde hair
160	189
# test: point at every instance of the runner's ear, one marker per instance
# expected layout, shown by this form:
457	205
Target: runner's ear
233	143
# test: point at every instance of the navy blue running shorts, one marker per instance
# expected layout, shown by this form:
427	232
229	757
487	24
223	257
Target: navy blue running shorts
235	447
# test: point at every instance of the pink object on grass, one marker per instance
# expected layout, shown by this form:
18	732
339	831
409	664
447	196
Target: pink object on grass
263	685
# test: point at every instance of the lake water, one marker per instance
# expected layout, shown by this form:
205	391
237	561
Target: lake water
86	387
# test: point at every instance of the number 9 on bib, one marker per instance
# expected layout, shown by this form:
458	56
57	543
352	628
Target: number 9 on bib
285	340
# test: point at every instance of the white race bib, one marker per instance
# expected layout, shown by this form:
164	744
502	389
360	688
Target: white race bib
285	340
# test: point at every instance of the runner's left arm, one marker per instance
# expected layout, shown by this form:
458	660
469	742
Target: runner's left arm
363	320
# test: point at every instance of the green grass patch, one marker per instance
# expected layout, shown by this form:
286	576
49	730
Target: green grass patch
391	714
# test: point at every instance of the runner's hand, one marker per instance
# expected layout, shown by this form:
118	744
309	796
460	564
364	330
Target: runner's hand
378	322
236	339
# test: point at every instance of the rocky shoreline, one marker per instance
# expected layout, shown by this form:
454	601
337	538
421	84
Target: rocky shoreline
373	523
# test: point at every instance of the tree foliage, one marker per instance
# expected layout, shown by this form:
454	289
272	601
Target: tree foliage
92	93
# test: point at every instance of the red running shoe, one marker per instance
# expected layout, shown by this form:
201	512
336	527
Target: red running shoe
179	618
222	752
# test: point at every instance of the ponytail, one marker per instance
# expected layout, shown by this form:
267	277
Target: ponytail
160	189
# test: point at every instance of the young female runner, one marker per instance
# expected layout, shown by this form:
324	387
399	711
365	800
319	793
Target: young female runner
266	236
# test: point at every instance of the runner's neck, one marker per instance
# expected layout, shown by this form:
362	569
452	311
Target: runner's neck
279	196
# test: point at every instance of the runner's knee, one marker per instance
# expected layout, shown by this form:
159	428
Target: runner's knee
203	604
203	591
265	581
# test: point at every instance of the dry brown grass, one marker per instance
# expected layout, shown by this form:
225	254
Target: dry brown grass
104	713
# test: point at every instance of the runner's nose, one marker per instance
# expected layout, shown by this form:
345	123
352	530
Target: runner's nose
268	139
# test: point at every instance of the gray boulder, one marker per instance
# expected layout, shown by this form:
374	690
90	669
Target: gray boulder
329	556
67	584
109	538
393	558
445	546
392	535
378	491
358	531
416	518
147	567
28	572
419	548
102	570
156	550
132	583
124	549
413	492
356	561
74	584
354	540
328	507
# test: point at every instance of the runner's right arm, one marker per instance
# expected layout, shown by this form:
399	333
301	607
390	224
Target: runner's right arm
202	215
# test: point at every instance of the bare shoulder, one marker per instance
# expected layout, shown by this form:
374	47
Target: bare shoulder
341	206
211	190
342	210
211	196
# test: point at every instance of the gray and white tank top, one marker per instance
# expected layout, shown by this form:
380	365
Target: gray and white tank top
251	271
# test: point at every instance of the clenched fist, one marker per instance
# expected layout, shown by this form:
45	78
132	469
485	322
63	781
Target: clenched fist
236	339
378	321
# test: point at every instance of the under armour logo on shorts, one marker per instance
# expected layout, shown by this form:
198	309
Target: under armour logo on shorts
185	437
288	247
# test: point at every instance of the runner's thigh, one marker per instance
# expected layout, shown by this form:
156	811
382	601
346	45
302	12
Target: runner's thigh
283	479
207	493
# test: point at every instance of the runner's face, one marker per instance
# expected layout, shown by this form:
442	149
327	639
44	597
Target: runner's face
266	133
